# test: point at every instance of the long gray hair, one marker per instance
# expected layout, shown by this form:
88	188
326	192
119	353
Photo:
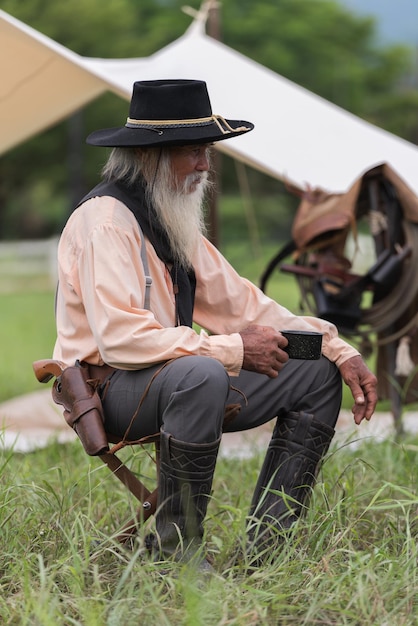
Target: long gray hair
178	211
126	164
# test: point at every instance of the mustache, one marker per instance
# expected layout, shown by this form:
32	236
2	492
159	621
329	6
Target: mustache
199	177
196	179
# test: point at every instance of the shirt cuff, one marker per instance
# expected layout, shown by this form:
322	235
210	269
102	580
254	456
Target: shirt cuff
338	351
229	350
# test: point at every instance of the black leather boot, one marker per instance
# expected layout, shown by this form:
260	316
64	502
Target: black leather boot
287	477
184	488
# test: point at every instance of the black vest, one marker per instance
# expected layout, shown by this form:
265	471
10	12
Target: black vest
184	281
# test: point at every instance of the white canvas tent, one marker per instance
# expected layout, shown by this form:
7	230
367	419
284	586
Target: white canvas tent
298	137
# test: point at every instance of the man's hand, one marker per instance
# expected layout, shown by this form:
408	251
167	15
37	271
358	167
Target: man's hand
362	383
263	350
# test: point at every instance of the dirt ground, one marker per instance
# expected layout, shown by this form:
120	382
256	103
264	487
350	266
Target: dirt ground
32	420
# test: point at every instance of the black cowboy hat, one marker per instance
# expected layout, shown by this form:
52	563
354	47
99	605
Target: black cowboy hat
169	113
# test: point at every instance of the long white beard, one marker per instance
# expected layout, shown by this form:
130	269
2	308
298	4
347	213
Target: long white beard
181	214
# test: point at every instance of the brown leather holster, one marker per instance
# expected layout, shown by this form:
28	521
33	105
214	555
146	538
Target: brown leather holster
76	389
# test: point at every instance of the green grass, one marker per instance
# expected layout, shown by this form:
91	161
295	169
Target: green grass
351	560
27	333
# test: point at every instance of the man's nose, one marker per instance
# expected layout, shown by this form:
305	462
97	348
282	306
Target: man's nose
203	162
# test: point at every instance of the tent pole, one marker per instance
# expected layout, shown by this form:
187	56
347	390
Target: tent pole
214	30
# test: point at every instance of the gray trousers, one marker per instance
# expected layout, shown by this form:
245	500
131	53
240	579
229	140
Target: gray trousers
188	398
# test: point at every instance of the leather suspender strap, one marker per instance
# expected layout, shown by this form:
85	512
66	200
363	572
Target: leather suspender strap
148	279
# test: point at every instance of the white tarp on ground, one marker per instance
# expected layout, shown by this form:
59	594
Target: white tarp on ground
298	136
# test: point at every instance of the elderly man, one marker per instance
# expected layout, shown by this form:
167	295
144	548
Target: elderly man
154	183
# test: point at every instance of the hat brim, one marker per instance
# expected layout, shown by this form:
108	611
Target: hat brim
180	136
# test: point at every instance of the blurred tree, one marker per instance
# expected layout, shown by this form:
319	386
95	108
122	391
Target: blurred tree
111	29
315	43
322	47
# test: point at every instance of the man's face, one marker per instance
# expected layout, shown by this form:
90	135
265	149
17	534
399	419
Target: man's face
189	165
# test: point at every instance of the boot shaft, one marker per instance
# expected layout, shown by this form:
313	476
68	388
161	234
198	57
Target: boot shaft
303	429
289	470
184	488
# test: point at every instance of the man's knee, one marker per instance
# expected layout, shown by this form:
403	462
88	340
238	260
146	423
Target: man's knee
196	404
203	372
204	376
325	373
314	387
328	396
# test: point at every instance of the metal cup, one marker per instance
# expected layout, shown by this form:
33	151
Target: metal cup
303	344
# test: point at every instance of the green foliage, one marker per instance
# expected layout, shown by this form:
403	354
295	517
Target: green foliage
319	45
116	28
400	111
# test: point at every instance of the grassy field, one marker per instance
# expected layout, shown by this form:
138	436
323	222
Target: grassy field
352	560
27	334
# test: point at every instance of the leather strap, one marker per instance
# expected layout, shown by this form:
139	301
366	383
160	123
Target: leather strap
101	372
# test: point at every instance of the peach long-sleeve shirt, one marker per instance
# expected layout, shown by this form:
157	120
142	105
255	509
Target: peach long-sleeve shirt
100	311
